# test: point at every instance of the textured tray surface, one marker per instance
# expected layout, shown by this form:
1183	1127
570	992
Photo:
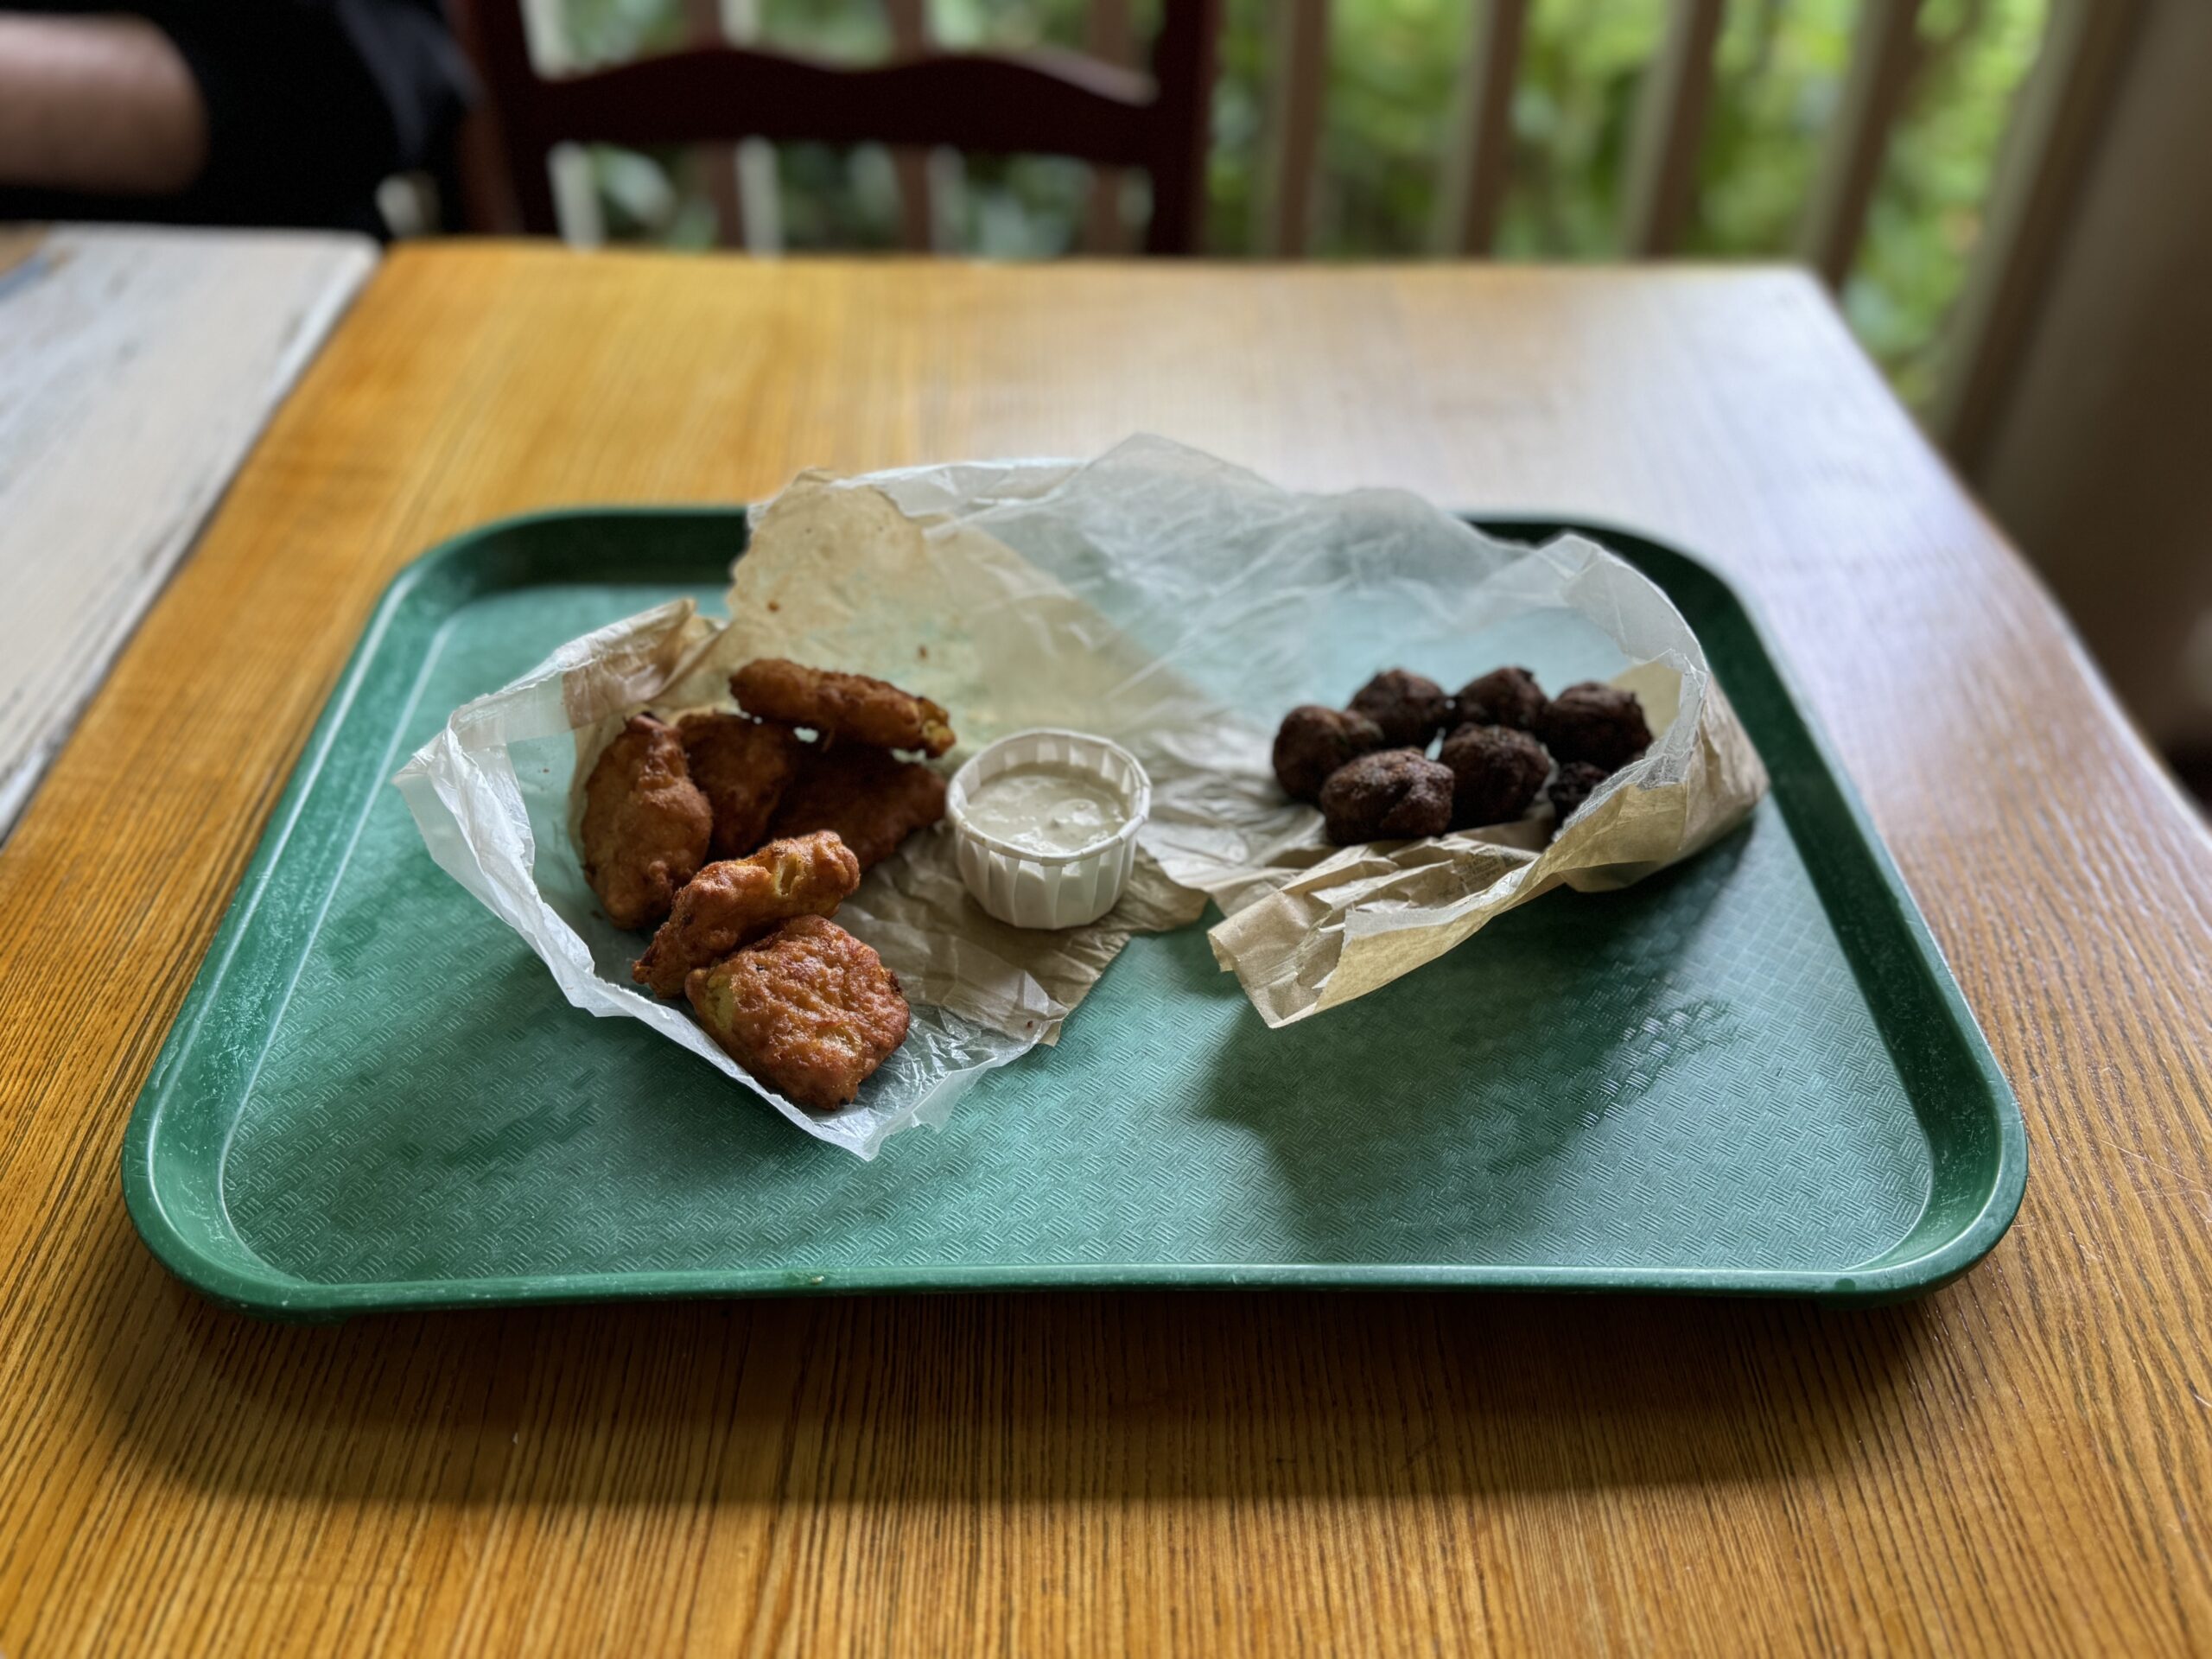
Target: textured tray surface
1702	1081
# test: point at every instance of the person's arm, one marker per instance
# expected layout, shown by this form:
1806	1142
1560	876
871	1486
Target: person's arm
101	104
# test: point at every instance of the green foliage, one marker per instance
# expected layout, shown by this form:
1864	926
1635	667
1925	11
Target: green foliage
1573	104
1927	214
1394	80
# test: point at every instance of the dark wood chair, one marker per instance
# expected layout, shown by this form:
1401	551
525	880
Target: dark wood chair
1038	102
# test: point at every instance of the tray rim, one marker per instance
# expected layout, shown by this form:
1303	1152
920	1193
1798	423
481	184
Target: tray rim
271	1293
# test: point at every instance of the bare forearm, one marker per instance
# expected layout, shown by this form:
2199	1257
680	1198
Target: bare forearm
102	105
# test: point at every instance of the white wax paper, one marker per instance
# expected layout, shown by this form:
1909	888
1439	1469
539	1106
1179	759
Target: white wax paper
1156	597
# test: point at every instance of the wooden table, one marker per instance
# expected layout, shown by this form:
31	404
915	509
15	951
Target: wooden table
136	367
2022	1460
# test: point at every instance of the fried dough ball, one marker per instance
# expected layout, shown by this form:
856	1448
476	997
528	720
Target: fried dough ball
741	766
1314	742
1386	795
840	705
1497	772
871	799
809	1011
646	826
1410	709
734	902
1504	696
1600	724
1577	781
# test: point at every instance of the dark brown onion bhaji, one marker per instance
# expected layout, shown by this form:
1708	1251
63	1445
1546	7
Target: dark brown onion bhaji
1504	696
1314	742
1410	710
1387	794
1497	773
1577	781
1600	724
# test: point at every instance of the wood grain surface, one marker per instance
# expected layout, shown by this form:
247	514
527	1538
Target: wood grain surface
2020	1463
136	366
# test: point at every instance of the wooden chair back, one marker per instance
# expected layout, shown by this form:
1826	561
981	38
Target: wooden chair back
1040	103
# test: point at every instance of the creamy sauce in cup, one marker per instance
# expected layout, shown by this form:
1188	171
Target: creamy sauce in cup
1046	809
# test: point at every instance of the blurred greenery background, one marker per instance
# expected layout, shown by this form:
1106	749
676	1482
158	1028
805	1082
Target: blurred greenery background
1394	68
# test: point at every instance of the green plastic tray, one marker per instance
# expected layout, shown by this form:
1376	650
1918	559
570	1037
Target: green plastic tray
1750	1074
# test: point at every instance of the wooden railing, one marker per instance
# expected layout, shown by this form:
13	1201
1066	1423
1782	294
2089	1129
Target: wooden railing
2058	115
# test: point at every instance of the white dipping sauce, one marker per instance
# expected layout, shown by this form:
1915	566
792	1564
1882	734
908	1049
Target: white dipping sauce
1046	809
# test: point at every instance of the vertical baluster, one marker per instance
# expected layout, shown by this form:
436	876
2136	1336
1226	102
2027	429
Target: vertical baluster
1662	185
1479	165
760	187
1299	67
910	38
703	25
1107	36
741	180
574	197
2056	121
1885	54
1184	54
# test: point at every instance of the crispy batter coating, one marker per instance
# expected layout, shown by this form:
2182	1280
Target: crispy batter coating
1577	781
734	902
1600	724
1409	708
1386	795
840	705
740	766
873	800
809	1011
646	826
1314	742
1504	696
1495	772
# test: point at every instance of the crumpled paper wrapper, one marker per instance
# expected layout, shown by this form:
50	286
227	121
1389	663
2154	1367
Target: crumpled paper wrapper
1155	596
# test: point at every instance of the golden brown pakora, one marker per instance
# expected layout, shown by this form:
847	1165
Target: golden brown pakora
741	766
646	826
733	902
872	799
809	1011
840	706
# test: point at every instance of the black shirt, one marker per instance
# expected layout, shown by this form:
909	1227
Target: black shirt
311	103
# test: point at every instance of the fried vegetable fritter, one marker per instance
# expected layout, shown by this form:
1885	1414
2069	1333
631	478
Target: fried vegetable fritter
1577	781
1504	696
1314	742
1387	794
733	903
646	826
872	799
1600	724
741	766
1497	772
1410	709
837	705
809	1011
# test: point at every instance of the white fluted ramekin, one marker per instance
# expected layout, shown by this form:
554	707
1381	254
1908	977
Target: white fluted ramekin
1049	890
